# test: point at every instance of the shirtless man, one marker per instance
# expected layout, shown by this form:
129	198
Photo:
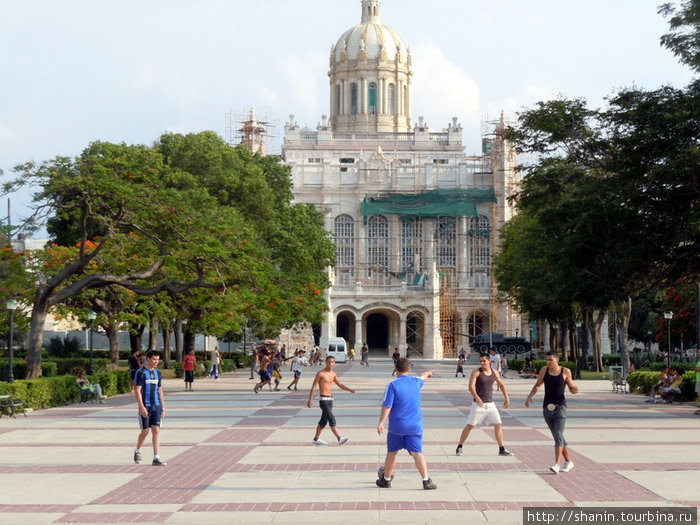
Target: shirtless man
324	381
263	372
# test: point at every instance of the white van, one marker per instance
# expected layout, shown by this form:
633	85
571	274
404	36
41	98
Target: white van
337	348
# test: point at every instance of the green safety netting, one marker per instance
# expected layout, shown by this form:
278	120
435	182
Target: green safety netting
444	202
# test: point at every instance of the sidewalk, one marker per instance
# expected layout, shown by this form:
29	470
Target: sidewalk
236	456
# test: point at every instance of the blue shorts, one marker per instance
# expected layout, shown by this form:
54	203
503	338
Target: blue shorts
411	442
264	376
155	414
297	373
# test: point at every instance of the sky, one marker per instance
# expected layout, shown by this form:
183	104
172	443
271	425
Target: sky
77	71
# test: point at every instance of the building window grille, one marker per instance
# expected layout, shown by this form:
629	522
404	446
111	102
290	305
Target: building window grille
372	98
377	248
353	99
344	231
411	245
446	242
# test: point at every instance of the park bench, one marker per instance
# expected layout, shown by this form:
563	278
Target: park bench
11	405
618	380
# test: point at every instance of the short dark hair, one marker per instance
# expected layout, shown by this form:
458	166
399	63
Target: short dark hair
403	364
553	353
152	353
329	357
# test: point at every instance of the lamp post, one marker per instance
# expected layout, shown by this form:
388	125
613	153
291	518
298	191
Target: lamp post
668	316
11	305
91	317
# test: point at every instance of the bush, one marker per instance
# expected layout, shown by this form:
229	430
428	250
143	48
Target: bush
643	382
679	367
62	390
19	369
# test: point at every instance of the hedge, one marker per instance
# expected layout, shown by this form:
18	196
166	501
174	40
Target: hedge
643	382
46	392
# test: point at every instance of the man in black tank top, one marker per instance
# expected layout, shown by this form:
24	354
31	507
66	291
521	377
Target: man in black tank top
483	409
555	379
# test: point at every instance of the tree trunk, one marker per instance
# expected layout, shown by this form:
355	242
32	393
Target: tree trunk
553	345
178	340
112	331
35	342
153	335
621	325
166	331
136	337
595	328
562	340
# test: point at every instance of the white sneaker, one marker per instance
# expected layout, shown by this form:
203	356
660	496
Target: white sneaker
319	442
568	465
342	440
555	468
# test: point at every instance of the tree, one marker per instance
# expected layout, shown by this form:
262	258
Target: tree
147	225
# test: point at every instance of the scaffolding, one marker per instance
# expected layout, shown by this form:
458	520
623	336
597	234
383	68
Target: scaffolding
258	136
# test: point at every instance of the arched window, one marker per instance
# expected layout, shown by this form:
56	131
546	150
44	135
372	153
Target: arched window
372	98
411	246
480	249
353	99
391	102
344	233
377	248
338	100
446	242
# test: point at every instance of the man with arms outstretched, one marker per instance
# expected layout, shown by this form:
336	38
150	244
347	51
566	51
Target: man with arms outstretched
324	381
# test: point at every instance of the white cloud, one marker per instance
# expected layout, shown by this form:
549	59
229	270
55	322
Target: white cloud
441	90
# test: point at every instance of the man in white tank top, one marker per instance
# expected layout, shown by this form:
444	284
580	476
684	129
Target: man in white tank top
483	410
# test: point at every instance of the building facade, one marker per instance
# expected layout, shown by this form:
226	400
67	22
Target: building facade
415	220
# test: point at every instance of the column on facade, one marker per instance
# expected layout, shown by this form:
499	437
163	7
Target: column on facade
394	244
365	91
409	101
360	249
346	98
402	334
359	337
463	265
381	86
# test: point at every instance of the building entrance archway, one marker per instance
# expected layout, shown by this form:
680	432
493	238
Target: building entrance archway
378	333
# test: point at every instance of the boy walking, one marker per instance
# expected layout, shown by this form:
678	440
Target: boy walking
149	394
324	381
483	409
401	406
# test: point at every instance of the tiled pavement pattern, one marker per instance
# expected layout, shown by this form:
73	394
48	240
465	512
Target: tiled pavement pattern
237	457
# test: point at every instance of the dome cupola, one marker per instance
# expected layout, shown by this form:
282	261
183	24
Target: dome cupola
370	77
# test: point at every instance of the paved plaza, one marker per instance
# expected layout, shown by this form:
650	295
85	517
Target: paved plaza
234	456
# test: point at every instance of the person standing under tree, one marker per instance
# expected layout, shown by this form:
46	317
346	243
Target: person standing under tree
483	409
215	363
297	363
149	394
324	381
555	379
189	363
401	406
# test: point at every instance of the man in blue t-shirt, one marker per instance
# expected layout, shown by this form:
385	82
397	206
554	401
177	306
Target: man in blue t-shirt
402	406
149	395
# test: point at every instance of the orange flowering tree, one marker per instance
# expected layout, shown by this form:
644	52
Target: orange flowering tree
190	218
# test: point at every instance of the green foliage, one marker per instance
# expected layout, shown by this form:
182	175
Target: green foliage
62	390
190	218
679	367
62	348
643	382
19	368
684	37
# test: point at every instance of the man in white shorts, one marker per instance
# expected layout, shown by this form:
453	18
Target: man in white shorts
483	409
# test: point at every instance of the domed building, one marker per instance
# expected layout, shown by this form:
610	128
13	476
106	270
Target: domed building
415	220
